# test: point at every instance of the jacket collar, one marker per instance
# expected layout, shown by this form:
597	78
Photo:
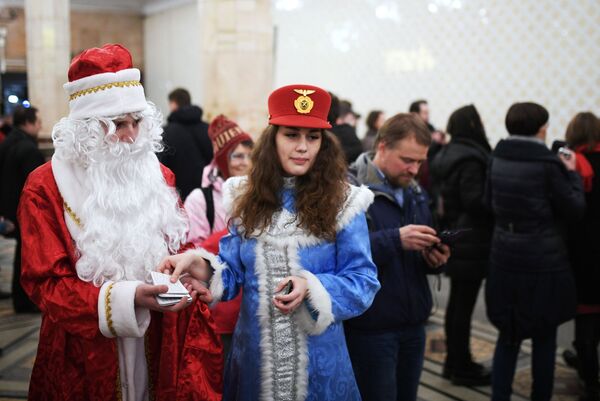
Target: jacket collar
523	149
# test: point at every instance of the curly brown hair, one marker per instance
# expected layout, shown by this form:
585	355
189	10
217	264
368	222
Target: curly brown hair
320	193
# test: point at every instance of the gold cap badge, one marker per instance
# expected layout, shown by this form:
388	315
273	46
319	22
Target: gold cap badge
303	103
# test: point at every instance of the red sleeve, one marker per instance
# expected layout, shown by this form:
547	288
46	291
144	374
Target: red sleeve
48	273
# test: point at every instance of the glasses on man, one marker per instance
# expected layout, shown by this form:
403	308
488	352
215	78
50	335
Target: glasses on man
239	156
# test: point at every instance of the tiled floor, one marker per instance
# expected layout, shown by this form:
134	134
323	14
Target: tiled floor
19	336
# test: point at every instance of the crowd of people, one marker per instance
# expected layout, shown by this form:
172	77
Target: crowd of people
306	254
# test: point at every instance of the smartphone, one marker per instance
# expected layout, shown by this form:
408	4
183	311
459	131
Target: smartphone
450	237
288	288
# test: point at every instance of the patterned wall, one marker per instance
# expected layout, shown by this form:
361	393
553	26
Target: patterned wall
386	53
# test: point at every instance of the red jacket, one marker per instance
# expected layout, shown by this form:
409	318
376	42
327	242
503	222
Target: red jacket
74	360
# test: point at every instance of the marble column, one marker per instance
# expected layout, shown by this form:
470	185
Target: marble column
48	56
237	59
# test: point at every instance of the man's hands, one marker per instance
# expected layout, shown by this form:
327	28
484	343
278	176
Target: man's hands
288	303
417	237
437	255
145	297
188	262
423	238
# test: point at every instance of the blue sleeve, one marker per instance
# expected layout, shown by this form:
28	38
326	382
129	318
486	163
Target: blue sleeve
230	269
353	286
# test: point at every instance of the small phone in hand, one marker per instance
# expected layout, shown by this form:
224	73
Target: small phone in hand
451	237
288	288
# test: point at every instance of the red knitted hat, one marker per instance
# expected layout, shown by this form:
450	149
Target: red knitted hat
102	83
304	106
225	136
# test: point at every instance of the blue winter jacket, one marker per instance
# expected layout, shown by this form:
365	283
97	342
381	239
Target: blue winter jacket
405	297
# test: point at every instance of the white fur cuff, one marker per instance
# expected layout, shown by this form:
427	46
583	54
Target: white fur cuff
216	281
117	314
318	298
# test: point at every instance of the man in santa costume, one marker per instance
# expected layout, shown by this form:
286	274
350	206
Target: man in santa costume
96	220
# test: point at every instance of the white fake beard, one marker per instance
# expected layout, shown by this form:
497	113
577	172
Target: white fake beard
131	218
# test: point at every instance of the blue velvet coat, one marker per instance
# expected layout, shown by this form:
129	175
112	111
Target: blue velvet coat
301	356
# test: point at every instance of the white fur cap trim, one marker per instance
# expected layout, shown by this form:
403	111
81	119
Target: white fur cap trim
319	299
127	319
108	101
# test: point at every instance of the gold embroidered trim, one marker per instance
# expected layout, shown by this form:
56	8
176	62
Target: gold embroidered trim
119	388
99	88
109	310
72	214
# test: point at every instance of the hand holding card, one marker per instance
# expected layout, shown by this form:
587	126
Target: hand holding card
174	294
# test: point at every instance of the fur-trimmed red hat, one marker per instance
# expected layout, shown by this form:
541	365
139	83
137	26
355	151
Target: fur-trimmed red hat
102	83
225	135
300	105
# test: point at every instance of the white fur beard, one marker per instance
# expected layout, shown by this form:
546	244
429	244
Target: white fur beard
131	218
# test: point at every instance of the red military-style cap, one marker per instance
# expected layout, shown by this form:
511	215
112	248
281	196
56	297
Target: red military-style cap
300	105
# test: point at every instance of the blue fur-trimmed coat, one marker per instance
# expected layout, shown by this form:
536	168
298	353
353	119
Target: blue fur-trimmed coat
301	356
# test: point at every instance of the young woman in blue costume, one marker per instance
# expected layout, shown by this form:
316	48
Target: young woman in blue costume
294	219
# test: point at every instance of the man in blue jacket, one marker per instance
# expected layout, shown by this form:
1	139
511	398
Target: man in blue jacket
387	342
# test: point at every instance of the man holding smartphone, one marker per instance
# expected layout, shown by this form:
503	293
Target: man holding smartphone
387	342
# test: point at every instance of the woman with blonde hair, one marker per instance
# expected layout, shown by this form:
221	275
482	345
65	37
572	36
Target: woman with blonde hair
298	245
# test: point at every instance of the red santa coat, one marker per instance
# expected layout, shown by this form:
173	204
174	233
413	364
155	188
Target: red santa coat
74	360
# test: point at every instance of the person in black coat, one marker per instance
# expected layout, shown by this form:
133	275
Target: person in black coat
187	147
583	136
344	132
459	171
19	156
530	289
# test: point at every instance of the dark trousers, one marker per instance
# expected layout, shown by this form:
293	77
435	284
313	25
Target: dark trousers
387	366
461	303
21	301
587	338
542	366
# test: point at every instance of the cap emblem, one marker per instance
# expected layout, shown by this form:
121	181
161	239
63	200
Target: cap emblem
303	103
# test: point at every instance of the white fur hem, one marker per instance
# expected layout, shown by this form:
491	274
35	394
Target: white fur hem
126	319
320	301
216	282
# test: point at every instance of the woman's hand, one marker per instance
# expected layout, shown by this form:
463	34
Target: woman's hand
188	262
288	303
199	287
145	297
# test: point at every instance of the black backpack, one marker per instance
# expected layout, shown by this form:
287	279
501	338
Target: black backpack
210	205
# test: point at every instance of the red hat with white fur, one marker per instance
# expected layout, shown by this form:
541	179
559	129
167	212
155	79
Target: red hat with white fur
304	106
103	83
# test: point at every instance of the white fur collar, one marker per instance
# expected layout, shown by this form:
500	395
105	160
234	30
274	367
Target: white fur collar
70	182
358	201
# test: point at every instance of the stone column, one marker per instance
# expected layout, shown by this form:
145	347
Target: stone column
48	56
237	57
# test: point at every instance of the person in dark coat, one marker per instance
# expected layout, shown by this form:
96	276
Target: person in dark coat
19	156
344	132
530	289
387	342
187	147
459	171
583	136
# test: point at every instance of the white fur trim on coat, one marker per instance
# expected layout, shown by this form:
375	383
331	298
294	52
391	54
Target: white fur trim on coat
127	319
216	281
358	201
232	189
319	300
